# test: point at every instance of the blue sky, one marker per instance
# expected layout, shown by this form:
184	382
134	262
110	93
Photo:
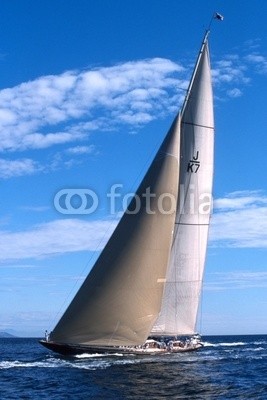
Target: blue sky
88	90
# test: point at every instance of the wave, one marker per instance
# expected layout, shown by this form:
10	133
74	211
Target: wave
95	355
222	344
233	344
53	364
259	342
25	364
83	361
258	349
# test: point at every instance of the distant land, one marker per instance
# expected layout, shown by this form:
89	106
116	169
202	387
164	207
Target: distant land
6	335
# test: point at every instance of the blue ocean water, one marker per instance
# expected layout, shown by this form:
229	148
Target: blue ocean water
228	367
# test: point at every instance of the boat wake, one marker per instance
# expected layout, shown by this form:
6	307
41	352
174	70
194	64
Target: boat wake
61	363
95	355
224	344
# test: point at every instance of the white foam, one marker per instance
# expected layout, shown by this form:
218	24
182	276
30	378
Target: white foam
232	344
83	361
207	344
21	364
260	342
87	355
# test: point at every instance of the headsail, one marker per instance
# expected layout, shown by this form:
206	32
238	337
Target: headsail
120	299
185	271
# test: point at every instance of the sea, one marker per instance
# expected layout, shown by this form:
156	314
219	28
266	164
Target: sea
227	367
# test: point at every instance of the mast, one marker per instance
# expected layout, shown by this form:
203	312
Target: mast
219	17
205	39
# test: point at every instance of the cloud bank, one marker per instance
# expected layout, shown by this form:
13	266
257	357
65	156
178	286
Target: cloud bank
236	280
239	220
54	238
64	108
59	109
19	167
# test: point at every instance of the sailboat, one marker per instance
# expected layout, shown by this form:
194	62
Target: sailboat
144	290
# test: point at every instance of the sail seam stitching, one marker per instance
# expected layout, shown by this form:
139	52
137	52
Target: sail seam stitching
178	281
183	223
201	126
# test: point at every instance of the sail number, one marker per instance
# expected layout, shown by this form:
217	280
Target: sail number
194	164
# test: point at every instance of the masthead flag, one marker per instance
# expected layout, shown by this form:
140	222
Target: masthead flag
218	16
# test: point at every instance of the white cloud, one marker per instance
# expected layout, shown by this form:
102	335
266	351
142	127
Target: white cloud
253	44
230	71
256	58
38	209
240	199
56	237
11	168
234	92
236	280
259	61
81	150
240	220
40	141
65	108
46	111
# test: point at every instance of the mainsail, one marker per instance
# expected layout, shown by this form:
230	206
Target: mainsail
185	270
120	299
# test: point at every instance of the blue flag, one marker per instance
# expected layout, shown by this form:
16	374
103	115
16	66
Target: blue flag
218	16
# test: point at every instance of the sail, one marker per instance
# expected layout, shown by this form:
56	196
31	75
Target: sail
120	299
185	271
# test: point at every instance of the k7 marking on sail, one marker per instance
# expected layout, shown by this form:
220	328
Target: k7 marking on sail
194	164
